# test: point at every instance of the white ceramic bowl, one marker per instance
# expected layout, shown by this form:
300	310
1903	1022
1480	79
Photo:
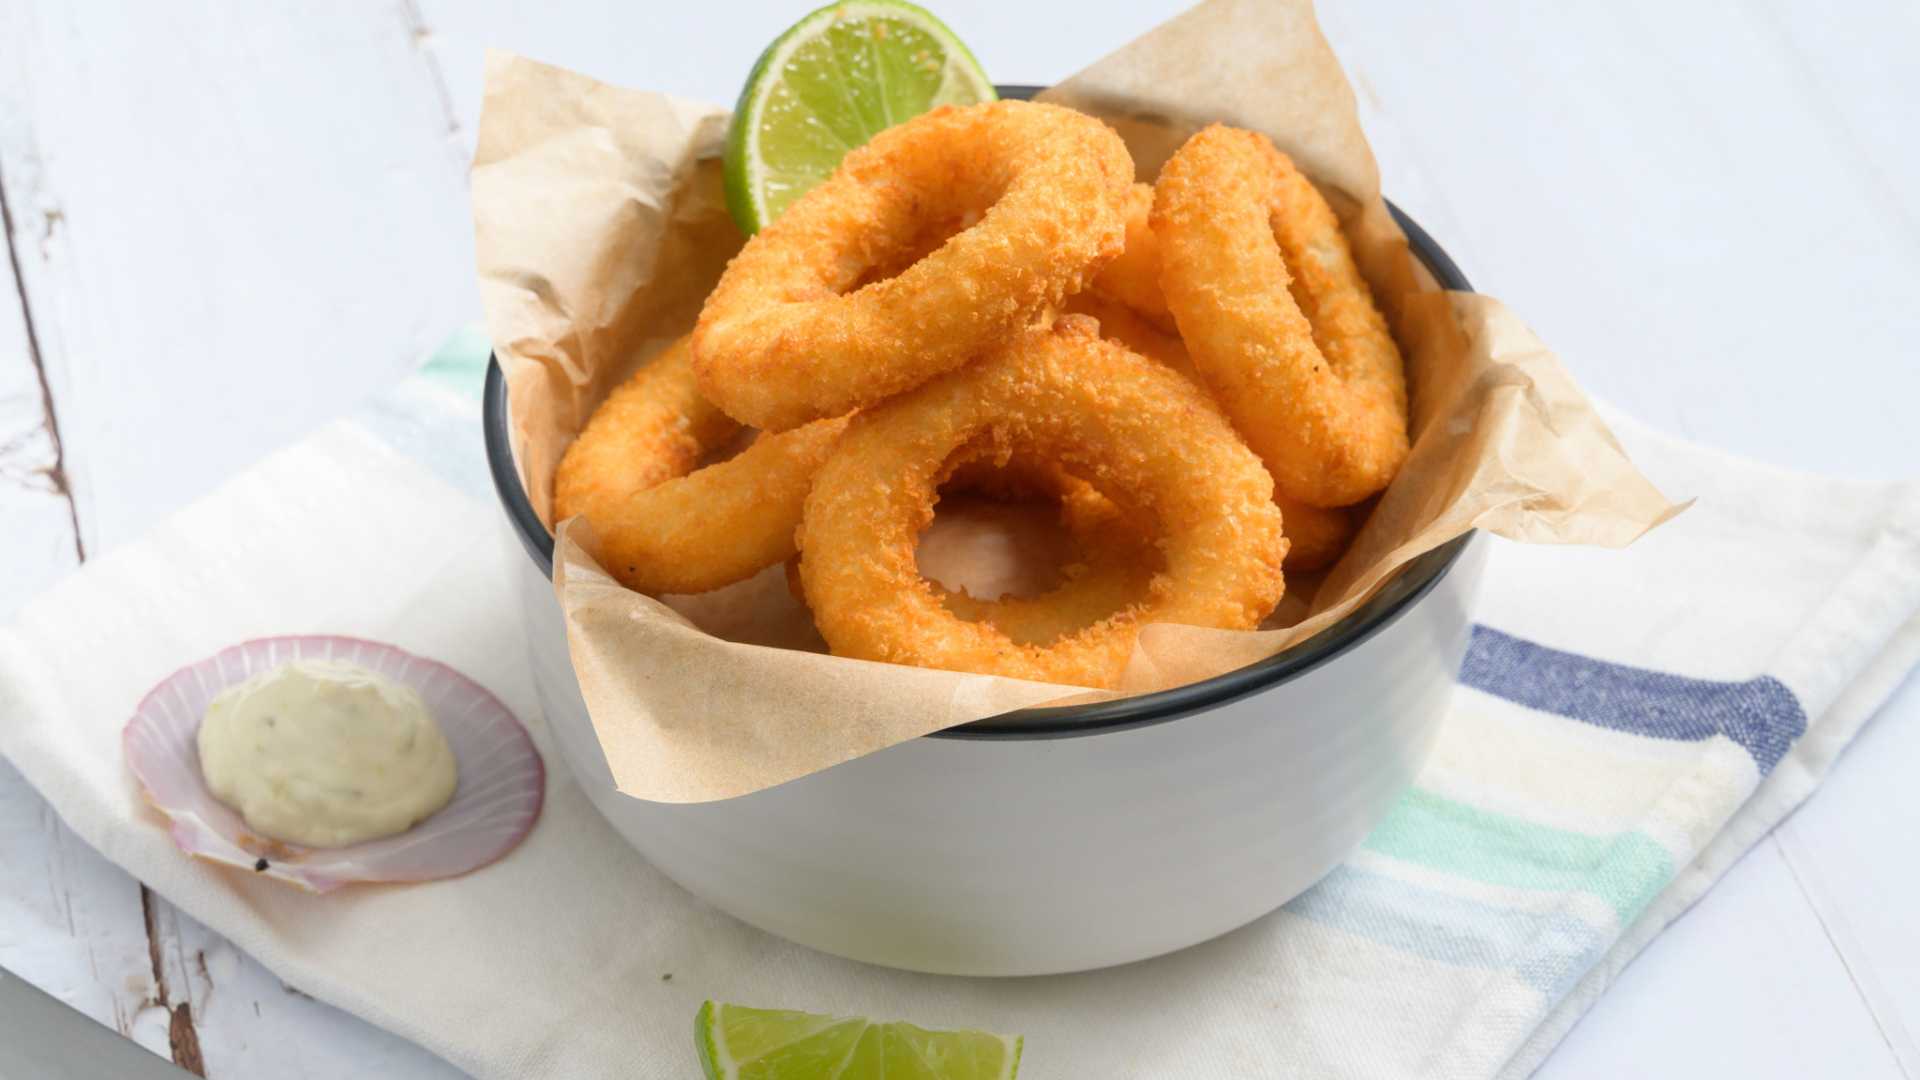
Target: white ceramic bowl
1055	840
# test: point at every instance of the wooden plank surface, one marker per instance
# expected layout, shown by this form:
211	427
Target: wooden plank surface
1714	231
226	229
70	921
245	222
42	534
227	225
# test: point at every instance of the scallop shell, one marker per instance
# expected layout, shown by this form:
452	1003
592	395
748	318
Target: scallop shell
501	788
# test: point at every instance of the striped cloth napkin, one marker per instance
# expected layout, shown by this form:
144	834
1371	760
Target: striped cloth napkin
1628	724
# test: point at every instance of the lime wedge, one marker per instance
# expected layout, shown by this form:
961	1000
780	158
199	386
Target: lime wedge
830	83
738	1043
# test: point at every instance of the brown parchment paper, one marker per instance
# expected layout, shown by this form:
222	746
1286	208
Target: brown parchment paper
601	226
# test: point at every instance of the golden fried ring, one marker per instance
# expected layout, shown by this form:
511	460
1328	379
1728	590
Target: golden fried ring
1139	433
1133	278
1114	562
782	340
650	429
1126	325
661	525
1281	326
1319	535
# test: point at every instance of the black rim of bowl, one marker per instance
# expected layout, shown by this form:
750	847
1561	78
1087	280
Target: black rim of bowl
1414	581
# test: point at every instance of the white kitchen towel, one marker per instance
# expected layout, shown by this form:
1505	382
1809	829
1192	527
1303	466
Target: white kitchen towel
1629	722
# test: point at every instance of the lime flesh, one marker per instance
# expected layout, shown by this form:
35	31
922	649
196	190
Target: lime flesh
738	1043
830	83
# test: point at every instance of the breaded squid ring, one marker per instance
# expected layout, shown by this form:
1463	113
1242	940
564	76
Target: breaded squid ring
1281	325
782	340
1133	278
1123	323
1113	567
661	525
650	429
1318	535
1114	559
1141	434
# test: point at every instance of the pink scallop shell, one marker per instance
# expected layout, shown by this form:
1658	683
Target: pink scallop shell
502	780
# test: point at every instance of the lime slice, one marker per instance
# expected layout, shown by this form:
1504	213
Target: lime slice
830	83
738	1043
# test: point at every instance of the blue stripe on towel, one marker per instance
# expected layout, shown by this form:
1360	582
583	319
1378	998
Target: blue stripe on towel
1760	714
1550	951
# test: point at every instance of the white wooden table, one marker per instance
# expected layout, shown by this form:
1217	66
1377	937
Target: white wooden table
227	224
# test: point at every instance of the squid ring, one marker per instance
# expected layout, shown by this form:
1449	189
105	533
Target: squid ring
786	337
1133	277
1142	435
660	523
1114	559
1112	563
1318	535
1280	323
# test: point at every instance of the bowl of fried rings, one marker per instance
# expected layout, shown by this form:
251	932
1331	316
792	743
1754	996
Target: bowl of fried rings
1054	839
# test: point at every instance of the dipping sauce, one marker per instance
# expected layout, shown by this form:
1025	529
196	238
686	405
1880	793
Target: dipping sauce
325	754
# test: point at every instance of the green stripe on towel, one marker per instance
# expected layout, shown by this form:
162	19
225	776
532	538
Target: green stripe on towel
460	364
1626	870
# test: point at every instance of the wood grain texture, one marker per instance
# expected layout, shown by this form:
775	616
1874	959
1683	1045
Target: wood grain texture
1778	1005
1706	209
70	921
247	1023
232	224
249	223
1862	892
704	51
226	229
42	532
